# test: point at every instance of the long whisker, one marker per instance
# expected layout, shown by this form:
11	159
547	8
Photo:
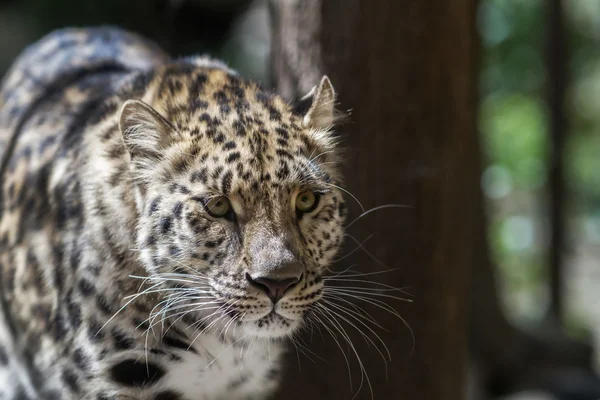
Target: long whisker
376	209
371	256
316	313
351	290
342	331
118	311
376	302
365	336
358	309
384	287
384	306
223	351
349	194
354	250
351	273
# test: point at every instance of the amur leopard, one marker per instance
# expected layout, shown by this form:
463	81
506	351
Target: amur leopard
165	224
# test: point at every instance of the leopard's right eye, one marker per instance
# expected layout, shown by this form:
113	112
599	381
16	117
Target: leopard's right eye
218	207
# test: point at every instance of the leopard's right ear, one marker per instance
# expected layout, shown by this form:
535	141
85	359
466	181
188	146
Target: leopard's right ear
145	132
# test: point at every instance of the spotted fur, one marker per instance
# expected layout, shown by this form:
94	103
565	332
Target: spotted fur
117	282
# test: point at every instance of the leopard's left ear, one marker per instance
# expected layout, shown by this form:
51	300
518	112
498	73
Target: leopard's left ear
321	113
145	132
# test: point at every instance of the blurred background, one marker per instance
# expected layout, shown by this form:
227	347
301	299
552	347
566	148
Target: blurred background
514	121
540	272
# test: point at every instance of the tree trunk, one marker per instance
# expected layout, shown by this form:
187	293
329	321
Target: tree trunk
407	70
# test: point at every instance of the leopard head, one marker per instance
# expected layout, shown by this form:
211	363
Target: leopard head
238	197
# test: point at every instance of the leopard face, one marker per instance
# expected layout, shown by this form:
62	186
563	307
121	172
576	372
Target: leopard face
239	203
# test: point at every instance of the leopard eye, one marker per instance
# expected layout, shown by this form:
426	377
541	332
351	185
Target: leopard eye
306	201
218	207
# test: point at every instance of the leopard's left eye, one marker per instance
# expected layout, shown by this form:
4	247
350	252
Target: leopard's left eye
218	207
307	201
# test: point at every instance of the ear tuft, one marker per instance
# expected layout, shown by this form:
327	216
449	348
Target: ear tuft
145	132
321	114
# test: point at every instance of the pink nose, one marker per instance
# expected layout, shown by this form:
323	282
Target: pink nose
273	288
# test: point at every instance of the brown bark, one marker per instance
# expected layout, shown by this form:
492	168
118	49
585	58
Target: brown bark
557	85
407	69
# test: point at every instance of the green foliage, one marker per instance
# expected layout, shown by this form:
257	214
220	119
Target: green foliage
583	154
512	38
514	128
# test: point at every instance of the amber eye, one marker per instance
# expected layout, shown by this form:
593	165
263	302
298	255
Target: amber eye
306	201
218	207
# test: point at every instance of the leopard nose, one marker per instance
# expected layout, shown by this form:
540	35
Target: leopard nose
273	288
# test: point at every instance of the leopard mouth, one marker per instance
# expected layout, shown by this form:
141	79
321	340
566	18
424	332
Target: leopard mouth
274	314
271	326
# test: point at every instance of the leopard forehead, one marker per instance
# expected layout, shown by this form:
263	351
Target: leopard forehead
234	137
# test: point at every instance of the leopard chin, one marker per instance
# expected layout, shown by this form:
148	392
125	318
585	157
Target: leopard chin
271	326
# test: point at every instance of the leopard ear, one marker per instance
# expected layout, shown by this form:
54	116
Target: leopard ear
321	113
145	132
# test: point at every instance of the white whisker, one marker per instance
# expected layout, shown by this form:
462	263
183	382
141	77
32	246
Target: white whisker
365	213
